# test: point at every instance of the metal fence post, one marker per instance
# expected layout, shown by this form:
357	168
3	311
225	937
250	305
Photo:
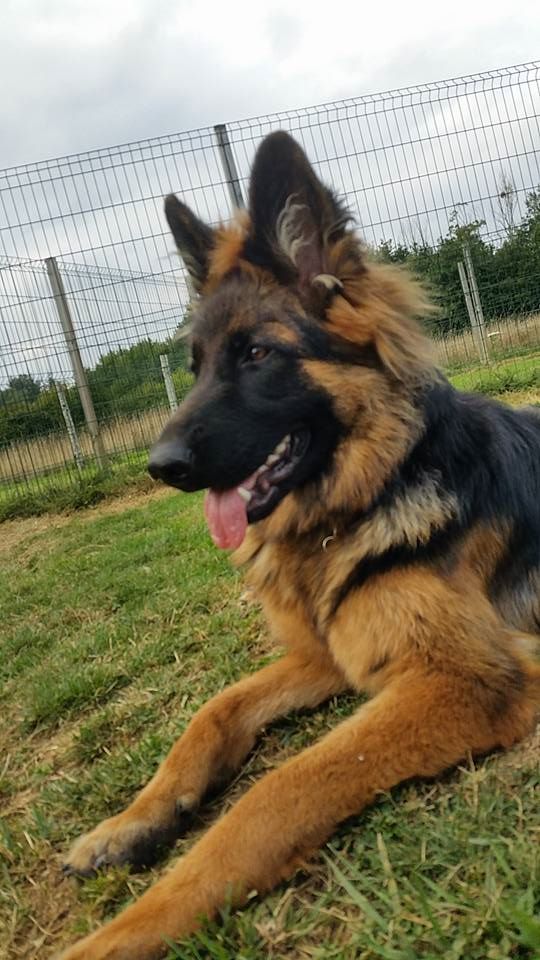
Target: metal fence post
229	166
70	427
64	315
478	342
169	383
477	303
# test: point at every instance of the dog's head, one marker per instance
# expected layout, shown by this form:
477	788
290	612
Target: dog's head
303	351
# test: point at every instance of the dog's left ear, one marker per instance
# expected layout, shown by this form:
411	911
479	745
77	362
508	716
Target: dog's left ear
194	239
294	217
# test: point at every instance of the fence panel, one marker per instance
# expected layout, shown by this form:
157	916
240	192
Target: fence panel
436	175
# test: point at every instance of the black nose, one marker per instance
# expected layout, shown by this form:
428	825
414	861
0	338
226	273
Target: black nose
172	462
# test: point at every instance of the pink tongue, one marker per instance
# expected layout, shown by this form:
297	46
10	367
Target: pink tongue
226	516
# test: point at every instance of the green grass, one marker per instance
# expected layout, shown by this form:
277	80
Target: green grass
64	489
116	626
503	377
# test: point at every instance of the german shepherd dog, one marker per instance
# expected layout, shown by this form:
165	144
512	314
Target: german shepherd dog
389	525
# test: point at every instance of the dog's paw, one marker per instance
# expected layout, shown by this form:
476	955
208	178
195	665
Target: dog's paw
121	839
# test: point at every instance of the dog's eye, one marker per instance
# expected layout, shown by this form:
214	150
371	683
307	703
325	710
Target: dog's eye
257	353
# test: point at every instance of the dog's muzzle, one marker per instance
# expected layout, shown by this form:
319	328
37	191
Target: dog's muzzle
172	462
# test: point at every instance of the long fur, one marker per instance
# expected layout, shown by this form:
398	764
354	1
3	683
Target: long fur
403	560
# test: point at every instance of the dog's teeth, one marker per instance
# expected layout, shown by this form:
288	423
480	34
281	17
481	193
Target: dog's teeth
281	447
273	458
245	494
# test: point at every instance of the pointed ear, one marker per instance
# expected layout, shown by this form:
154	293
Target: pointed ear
294	217
193	238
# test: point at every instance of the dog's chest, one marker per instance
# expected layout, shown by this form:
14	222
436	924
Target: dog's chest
299	579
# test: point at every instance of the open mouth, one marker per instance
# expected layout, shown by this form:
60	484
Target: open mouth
229	512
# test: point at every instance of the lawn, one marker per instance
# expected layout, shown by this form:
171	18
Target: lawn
503	377
65	489
117	624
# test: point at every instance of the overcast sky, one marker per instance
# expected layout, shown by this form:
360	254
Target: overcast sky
80	75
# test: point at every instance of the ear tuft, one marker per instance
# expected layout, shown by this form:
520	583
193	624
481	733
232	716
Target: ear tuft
193	238
327	280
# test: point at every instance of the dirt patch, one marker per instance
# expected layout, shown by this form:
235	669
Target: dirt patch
519	398
14	532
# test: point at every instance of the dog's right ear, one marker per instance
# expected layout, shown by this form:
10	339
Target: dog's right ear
295	219
193	238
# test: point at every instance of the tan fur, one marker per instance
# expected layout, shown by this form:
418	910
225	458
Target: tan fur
386	425
381	306
227	251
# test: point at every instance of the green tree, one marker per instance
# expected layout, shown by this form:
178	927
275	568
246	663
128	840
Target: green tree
22	388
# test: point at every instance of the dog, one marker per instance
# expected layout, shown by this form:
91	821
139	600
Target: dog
389	526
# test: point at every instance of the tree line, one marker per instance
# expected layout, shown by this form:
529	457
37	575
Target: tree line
123	382
507	268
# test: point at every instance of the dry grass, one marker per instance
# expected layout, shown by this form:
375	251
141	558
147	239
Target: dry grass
29	529
504	336
119	435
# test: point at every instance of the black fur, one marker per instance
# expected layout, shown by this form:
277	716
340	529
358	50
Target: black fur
238	412
193	238
282	172
486	455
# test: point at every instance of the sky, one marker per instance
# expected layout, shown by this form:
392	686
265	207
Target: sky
82	75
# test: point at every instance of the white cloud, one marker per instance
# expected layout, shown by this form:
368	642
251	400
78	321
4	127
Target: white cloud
84	75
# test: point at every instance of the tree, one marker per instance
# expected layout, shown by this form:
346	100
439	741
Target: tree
21	389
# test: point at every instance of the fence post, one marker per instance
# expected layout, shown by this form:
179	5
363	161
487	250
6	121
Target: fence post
229	166
477	303
79	372
70	427
480	346
169	383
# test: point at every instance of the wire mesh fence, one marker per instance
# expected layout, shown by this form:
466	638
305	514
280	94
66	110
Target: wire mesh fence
444	177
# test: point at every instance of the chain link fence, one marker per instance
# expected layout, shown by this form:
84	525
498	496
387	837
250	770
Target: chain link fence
443	176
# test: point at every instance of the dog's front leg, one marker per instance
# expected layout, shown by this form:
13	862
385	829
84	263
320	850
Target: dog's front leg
213	746
420	724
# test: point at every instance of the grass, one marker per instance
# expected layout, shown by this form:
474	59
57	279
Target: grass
64	489
117	624
504	377
119	435
505	338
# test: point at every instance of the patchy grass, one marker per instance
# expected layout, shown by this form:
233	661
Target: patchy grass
117	623
64	489
502	377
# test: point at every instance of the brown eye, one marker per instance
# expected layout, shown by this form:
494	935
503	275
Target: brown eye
257	353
